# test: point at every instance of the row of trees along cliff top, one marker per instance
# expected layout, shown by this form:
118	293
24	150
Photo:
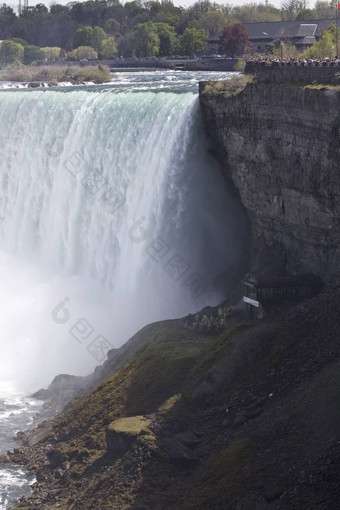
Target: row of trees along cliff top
139	28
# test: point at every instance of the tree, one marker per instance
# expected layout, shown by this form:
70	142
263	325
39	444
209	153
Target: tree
51	53
193	40
98	35
271	49
167	39
234	40
108	48
126	45
322	48
214	21
112	25
20	41
305	14
82	37
288	50
10	52
324	10
33	54
146	40
291	8
252	12
83	52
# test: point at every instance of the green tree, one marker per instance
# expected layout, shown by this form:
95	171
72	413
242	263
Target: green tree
322	48
51	53
167	39
112	25
214	21
146	40
126	45
193	40
291	8
33	54
248	13
20	41
305	14
83	37
97	37
83	52
271	49
324	9
108	48
10	52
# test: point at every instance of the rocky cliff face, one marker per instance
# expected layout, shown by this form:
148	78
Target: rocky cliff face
280	144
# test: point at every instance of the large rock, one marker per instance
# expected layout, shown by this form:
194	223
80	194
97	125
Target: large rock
279	144
122	433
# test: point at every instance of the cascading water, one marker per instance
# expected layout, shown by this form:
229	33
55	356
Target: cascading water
112	215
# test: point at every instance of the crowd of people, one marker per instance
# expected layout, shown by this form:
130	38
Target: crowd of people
266	61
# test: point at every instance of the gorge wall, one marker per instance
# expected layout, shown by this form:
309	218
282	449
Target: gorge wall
280	144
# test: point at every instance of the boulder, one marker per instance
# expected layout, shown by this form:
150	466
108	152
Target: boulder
122	433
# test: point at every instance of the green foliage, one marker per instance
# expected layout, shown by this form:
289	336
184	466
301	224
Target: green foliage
83	37
324	9
240	65
193	40
271	49
33	54
305	14
214	21
20	41
288	51
97	37
167	39
126	45
108	48
10	53
112	25
51	53
324	47
146	40
83	52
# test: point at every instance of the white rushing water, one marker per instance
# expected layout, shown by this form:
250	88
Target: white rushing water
16	413
113	214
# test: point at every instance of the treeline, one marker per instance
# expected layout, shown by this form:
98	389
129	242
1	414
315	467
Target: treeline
106	28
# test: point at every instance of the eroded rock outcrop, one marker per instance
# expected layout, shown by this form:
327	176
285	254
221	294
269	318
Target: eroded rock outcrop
280	144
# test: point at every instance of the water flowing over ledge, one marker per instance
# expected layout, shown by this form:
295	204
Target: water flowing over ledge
113	214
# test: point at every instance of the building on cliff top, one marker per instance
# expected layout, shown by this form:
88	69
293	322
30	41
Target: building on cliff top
300	33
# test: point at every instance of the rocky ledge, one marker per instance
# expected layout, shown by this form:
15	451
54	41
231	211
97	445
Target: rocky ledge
280	145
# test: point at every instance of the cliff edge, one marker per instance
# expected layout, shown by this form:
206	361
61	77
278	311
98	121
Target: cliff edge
280	144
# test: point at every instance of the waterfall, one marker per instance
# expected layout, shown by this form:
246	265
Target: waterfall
113	214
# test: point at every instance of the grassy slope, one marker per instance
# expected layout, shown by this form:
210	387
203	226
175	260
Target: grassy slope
276	452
